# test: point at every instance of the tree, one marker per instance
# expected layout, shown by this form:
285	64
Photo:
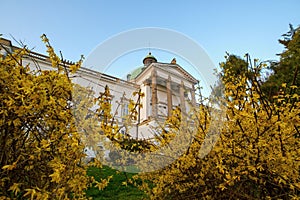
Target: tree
285	71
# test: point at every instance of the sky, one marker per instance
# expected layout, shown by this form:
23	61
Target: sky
77	27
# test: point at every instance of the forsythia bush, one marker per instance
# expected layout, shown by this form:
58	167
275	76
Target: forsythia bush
41	152
255	144
257	155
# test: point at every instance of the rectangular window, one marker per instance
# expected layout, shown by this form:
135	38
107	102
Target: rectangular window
125	110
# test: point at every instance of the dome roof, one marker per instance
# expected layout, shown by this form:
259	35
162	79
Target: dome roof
149	59
136	72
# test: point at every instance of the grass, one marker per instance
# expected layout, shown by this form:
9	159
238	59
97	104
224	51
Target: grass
115	189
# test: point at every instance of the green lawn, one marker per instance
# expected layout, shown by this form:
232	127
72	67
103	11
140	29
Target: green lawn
115	190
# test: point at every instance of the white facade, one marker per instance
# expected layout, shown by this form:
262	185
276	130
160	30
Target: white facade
165	85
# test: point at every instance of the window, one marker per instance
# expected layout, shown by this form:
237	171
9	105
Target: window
125	110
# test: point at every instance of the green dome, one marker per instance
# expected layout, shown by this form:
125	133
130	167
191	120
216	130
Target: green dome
136	72
149	59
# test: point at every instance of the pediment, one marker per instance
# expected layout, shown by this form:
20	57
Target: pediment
164	70
177	70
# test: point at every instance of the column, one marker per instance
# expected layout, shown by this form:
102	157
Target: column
154	93
182	98
169	96
147	101
193	96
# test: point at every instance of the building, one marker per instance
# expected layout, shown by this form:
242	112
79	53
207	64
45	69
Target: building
165	85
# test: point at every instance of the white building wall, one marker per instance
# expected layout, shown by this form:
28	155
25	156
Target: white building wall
96	81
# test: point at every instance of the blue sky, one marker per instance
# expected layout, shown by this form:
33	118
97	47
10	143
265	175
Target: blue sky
77	27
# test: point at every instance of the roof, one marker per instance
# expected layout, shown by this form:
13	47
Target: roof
136	72
149	56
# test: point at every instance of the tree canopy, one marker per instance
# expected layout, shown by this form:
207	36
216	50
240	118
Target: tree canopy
287	69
